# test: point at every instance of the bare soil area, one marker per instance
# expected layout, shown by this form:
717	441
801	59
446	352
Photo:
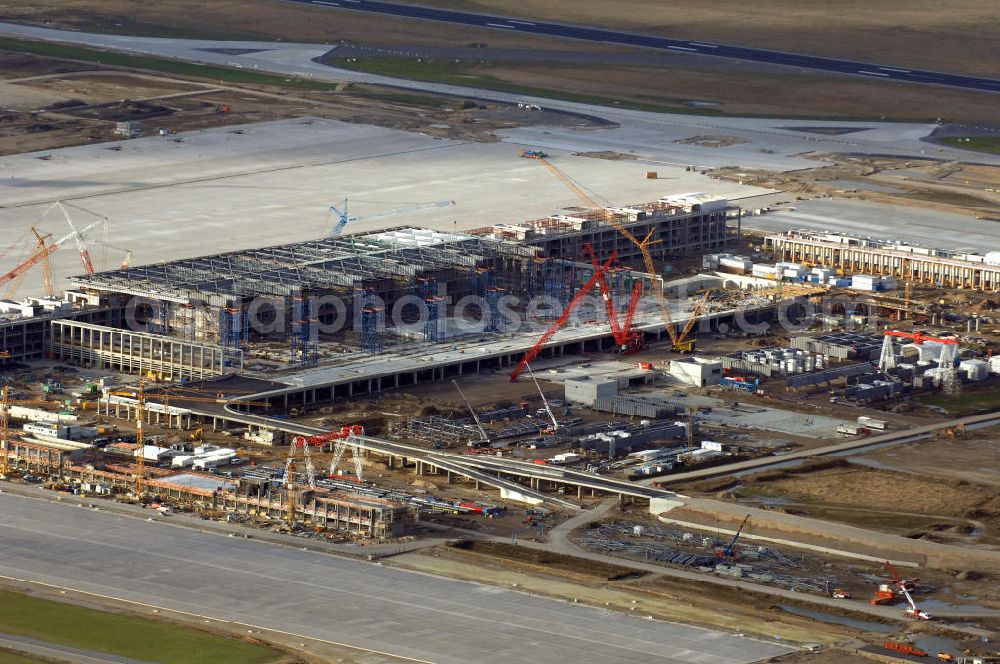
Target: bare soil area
883	31
947	510
974	458
50	103
925	183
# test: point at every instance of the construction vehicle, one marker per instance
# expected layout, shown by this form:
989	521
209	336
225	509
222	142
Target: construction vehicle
884	595
552	418
559	322
343	218
905	586
679	343
627	338
727	551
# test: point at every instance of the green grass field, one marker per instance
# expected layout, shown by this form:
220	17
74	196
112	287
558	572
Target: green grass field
980	143
116	634
444	71
160	64
966	403
8	657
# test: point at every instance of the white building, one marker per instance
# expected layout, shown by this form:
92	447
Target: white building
696	371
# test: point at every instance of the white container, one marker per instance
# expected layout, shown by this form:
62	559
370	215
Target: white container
975	369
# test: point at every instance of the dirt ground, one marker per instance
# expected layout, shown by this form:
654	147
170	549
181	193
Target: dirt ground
50	103
949	187
973	458
947	510
883	31
733	88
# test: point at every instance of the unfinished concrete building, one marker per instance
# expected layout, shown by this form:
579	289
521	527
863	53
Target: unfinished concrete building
677	226
907	262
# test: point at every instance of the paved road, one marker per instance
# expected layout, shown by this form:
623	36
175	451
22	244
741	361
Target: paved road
353	603
856	445
585	33
60	653
771	144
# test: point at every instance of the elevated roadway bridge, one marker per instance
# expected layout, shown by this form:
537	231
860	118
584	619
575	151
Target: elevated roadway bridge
517	480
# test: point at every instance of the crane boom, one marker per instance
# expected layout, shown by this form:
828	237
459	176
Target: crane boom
698	308
609	304
729	547
88	264
343	218
625	337
548	409
643	245
475	418
559	322
40	255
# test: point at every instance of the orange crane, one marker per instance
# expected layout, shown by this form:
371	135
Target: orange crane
41	254
140	396
679	343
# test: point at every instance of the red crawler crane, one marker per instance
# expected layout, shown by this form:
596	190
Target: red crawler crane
559	322
627	339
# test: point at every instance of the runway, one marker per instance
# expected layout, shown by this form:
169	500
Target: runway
585	33
349	602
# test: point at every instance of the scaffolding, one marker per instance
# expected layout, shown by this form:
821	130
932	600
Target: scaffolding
304	344
163	313
490	293
426	288
234	328
372	318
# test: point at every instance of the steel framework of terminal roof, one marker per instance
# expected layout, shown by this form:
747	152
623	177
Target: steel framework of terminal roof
326	264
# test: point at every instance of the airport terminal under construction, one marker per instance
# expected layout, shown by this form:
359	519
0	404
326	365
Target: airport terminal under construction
303	389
